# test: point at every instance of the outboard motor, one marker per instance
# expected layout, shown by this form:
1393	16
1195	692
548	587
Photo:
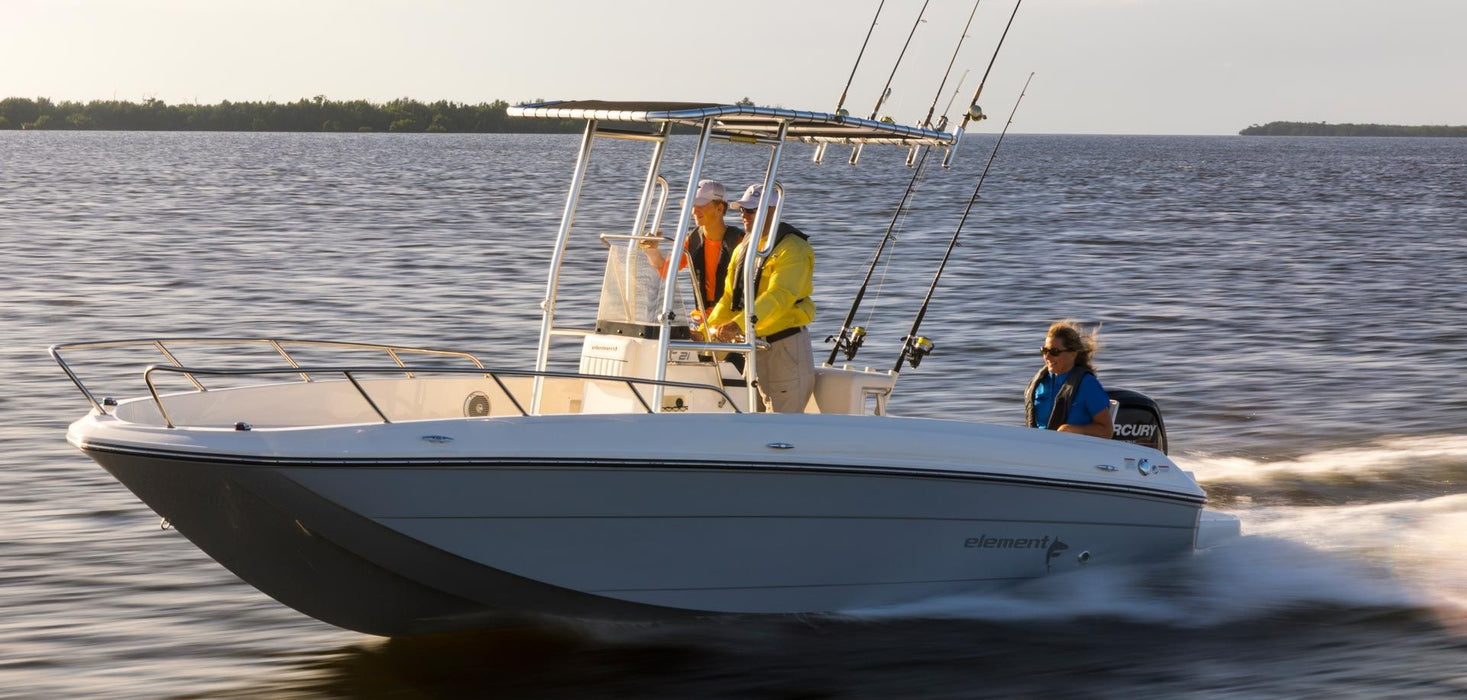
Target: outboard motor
1139	419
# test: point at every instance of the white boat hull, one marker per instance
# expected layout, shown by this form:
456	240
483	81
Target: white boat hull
459	524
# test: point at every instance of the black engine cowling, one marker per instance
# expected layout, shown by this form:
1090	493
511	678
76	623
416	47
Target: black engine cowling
1139	419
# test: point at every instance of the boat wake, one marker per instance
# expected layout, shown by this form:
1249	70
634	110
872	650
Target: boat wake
1390	469
1379	528
1254	577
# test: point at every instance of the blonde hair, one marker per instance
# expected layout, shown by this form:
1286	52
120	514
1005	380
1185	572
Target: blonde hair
1086	342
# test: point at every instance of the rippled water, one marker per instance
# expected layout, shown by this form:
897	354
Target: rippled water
1297	306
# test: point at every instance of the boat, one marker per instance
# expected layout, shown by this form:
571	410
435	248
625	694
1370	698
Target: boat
406	490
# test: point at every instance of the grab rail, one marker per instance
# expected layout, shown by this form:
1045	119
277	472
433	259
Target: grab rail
276	344
350	374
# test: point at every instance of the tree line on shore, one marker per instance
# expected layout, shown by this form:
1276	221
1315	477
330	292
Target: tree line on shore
411	116
315	114
1323	129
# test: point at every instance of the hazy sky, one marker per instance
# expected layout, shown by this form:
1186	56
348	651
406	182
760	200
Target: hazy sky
1103	66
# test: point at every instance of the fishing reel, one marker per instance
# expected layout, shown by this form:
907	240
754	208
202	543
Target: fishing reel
849	343
854	342
975	113
917	348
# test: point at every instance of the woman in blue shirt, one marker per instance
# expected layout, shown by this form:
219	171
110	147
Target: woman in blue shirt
1065	394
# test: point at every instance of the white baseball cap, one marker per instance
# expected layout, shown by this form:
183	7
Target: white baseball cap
709	191
751	198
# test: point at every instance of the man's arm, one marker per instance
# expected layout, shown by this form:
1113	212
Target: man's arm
656	259
789	275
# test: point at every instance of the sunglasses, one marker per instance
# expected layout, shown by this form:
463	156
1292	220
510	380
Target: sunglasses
1053	352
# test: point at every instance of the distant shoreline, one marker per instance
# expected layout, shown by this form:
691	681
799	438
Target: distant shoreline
317	114
1323	129
404	115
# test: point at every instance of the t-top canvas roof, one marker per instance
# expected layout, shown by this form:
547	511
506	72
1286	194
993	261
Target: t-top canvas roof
740	121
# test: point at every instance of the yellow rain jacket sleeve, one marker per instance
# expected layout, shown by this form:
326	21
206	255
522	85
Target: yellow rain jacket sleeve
782	300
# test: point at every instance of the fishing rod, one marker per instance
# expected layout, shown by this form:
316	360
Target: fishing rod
915	347
886	90
850	338
841	103
975	113
942	123
927	120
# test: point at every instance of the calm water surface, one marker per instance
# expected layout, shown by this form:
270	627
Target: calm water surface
1297	306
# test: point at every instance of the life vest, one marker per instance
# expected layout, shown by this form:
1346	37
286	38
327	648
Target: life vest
1062	398
737	303
731	237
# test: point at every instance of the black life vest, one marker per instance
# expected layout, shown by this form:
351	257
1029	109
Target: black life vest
1062	398
738	290
731	237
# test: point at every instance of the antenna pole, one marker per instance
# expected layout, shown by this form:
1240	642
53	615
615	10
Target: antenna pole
842	101
915	347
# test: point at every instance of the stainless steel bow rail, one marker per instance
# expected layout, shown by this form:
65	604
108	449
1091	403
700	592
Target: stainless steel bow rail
395	353
165	346
350	373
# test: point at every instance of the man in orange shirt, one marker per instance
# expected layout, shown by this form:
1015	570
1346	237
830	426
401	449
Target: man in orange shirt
710	246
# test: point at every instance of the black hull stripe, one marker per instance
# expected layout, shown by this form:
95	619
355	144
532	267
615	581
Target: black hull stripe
921	519
792	586
553	463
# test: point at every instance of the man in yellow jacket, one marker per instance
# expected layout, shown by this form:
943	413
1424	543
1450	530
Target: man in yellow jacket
782	307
